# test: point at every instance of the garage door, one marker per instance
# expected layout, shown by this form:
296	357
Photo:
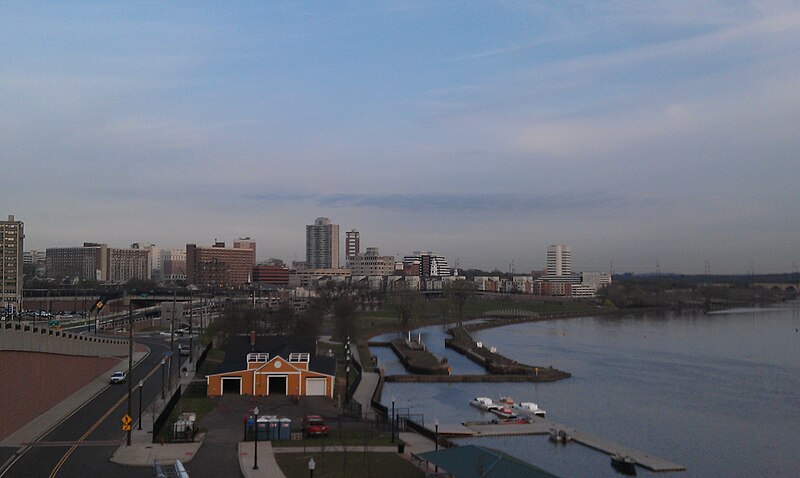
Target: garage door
315	387
232	385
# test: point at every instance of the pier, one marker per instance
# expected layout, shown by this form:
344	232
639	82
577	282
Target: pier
543	426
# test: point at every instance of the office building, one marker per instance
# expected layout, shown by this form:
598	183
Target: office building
245	243
127	264
271	274
426	264
352	244
219	266
322	245
173	265
371	263
81	263
12	235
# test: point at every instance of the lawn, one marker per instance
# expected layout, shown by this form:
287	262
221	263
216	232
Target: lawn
347	465
357	435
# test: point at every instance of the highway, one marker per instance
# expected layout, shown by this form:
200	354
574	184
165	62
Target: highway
82	444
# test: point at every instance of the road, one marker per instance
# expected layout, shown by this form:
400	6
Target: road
83	443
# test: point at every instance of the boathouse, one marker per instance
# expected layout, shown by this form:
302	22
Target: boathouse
273	365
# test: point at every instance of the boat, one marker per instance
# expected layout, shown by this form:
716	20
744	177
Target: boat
484	403
623	464
511	421
559	436
531	407
504	412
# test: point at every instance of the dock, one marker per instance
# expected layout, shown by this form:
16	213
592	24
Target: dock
542	426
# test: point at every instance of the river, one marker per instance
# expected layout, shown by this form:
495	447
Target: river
718	393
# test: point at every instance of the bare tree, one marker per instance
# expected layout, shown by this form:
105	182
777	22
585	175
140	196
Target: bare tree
457	294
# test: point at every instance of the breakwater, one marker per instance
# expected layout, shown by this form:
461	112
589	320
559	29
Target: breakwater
418	360
461	341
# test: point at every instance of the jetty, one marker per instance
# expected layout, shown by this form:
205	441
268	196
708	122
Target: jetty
543	426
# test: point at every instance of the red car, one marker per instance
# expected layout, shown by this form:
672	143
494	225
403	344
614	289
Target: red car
314	425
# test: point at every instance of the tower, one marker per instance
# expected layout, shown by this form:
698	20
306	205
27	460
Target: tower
559	260
322	244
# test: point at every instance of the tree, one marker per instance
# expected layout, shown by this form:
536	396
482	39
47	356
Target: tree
458	293
345	311
281	320
407	305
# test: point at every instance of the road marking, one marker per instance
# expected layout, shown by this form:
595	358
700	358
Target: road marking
74	447
76	443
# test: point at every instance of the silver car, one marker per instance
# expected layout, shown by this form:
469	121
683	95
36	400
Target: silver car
119	376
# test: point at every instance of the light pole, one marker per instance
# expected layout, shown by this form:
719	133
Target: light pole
436	426
163	362
255	429
130	367
392	419
312	465
141	384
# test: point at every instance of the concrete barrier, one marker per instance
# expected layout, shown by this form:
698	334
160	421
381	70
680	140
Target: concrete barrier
24	338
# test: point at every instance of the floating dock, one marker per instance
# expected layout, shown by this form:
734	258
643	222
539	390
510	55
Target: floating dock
542	426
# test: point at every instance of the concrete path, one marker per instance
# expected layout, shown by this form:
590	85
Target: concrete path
267	466
367	385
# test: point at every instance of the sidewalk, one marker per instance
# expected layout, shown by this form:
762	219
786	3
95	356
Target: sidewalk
267	466
142	451
366	387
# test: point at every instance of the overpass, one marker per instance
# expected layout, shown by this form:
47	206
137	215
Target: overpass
20	337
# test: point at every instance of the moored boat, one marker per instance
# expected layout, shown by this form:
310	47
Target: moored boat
623	464
484	403
559	436
504	412
531	407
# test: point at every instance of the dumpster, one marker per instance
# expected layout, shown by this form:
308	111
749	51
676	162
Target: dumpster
286	429
274	424
262	428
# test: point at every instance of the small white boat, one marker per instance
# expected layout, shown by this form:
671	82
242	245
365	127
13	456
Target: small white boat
531	407
484	403
504	412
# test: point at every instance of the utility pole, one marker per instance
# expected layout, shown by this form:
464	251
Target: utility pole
130	366
172	336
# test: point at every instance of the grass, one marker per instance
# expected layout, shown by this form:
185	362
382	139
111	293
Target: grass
347	465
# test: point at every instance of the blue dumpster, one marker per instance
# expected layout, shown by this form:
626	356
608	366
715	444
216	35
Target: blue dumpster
286	429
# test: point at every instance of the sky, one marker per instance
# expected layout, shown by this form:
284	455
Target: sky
644	134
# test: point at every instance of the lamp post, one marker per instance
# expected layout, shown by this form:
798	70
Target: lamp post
347	383
141	384
436	426
255	429
393	419
163	362
312	465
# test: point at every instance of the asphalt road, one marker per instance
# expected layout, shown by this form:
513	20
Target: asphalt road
97	427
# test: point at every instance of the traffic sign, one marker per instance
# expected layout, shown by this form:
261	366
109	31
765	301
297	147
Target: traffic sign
126	428
126	420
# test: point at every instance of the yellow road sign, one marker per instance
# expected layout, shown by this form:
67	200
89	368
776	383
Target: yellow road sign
126	420
126	427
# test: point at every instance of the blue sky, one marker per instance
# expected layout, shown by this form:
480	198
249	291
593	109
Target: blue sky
635	132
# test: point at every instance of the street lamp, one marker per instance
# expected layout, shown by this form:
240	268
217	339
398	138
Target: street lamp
255	422
141	384
163	362
312	465
436	426
392	419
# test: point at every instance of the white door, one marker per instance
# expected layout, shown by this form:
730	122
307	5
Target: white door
315	387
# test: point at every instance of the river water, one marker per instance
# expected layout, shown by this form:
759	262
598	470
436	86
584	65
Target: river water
717	393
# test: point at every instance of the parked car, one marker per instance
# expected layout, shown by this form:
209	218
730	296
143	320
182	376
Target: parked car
119	376
183	349
314	425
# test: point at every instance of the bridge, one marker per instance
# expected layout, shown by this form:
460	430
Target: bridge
783	287
521	313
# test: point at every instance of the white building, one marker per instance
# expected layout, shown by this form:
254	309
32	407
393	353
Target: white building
559	260
430	264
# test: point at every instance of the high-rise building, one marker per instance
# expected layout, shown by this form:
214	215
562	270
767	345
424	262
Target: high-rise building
12	234
352	244
559	260
82	263
173	264
219	266
322	244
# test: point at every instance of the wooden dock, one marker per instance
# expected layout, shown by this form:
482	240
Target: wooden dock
542	426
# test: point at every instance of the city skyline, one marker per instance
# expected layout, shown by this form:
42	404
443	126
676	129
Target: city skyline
656	137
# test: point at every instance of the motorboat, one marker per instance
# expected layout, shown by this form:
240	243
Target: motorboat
530	407
559	436
504	412
623	464
511	421
484	403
